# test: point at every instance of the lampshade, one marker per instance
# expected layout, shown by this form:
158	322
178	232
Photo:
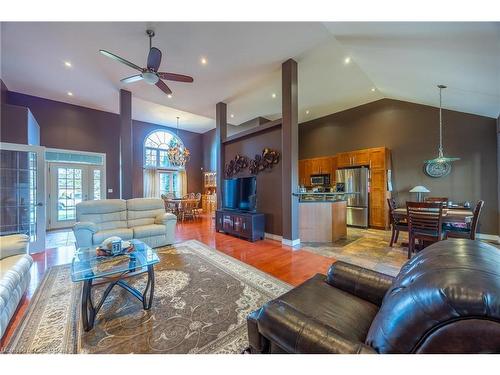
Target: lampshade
419	189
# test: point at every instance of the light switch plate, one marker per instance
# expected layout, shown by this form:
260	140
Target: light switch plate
110	190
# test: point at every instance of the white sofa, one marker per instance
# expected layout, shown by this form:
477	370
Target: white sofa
140	218
15	264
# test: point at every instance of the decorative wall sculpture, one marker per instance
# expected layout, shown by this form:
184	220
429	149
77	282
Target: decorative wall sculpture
266	160
236	165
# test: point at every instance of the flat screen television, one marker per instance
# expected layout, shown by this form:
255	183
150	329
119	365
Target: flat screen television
240	193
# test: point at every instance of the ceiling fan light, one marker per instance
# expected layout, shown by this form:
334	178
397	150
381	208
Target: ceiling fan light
150	77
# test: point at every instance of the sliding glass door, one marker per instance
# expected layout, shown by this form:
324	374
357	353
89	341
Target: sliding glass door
22	192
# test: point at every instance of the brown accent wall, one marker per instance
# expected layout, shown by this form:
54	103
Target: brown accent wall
193	141
72	127
268	182
411	132
209	151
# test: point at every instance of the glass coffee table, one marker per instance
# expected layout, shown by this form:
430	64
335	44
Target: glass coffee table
93	270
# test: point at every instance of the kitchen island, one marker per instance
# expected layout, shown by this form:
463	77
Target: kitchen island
322	216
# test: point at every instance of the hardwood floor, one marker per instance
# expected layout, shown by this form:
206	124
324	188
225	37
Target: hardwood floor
282	262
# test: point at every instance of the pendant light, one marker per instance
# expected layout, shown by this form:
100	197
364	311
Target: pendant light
178	155
440	166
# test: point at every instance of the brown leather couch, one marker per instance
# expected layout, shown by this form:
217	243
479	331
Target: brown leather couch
444	300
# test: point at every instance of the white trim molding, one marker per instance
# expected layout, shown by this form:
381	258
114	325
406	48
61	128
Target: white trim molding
292	243
274	237
489	237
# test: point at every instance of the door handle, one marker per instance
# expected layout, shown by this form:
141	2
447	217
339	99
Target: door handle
39	204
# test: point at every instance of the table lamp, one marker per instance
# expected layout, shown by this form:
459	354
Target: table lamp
419	189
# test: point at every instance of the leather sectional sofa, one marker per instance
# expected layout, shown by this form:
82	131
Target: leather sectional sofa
140	218
15	264
444	300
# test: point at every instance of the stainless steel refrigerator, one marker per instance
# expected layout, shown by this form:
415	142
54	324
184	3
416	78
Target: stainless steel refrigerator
356	181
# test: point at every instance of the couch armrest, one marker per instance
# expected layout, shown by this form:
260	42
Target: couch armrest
165	218
361	282
14	244
85	225
296	332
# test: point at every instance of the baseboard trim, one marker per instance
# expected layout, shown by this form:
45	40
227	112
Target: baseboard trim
274	237
489	237
291	243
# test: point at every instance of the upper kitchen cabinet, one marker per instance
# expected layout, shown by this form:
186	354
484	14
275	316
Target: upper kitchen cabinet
378	157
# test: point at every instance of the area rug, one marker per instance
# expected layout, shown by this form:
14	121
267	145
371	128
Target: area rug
202	299
366	248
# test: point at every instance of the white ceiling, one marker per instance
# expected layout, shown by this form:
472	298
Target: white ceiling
401	60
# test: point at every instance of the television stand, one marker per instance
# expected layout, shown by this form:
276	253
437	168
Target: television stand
243	224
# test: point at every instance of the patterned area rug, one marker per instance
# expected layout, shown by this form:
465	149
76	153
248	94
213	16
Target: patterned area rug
202	298
367	248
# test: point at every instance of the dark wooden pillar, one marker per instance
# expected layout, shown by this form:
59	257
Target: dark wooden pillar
126	161
289	152
220	135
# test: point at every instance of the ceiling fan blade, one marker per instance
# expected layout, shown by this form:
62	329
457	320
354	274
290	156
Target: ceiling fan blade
131	79
175	77
154	58
163	87
118	58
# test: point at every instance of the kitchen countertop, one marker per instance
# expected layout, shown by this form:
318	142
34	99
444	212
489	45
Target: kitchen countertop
311	197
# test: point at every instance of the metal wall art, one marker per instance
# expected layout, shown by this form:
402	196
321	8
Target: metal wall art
236	165
266	160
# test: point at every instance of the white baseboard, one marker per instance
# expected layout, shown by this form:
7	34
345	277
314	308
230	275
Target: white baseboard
292	243
489	237
273	237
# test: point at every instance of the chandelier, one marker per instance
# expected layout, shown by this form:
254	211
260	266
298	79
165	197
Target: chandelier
439	166
178	155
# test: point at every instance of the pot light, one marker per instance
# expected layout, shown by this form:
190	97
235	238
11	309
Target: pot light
347	60
273	95
203	61
68	64
169	96
70	93
232	116
307	112
373	89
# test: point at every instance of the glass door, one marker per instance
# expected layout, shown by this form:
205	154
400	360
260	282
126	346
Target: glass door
22	193
70	184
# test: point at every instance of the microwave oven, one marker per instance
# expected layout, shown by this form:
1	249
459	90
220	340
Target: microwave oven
320	180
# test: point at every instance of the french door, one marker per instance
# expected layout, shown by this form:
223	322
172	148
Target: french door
22	192
70	184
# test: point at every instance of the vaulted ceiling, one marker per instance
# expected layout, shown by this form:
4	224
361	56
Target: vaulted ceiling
394	60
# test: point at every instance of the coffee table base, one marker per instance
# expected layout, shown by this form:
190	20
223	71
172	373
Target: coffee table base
89	310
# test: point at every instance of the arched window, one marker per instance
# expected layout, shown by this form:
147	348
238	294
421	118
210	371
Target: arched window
156	148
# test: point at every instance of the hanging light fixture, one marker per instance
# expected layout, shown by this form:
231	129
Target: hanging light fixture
440	166
178	155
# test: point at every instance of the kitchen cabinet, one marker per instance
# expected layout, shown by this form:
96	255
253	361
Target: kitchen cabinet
378	159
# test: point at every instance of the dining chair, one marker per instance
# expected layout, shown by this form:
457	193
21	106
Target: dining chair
453	231
397	224
425	221
170	206
199	209
187	210
442	200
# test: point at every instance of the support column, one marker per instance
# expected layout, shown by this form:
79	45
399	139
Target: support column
126	161
289	152
220	135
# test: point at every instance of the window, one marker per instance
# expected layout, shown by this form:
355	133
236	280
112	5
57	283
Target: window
169	183
156	148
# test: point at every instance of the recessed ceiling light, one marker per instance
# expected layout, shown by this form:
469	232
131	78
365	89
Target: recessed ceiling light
347	60
203	60
307	112
232	116
68	64
273	95
169	96
373	89
70	93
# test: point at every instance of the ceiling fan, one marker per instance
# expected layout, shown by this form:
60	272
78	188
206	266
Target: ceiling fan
150	74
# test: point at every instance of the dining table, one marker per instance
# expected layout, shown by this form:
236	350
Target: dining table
450	215
178	202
